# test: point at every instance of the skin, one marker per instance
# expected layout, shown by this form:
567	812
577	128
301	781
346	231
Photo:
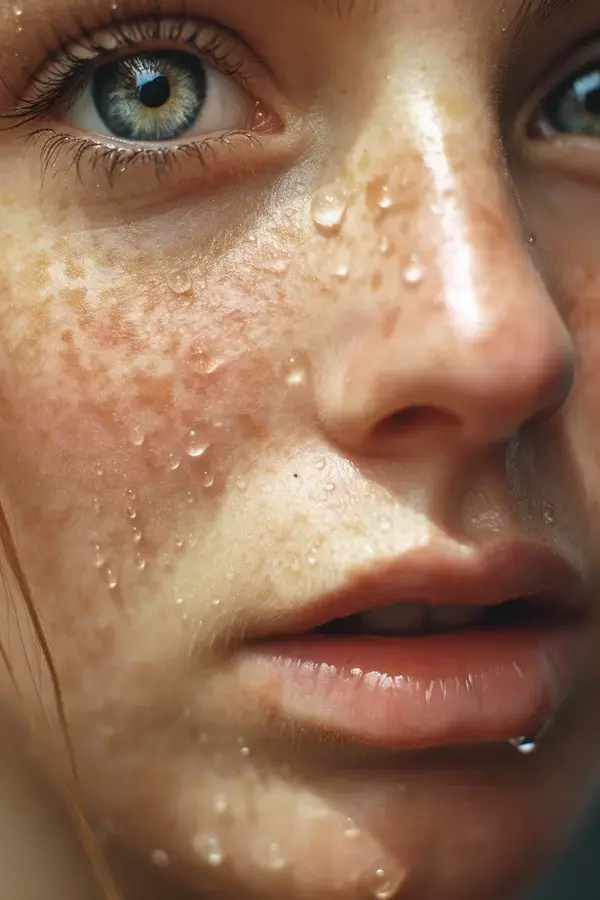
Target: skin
299	354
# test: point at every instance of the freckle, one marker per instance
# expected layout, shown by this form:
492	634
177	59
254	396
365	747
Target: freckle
74	270
67	337
75	297
376	279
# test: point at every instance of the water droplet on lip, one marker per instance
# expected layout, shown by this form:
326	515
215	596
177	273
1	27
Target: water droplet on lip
328	208
525	745
180	282
209	849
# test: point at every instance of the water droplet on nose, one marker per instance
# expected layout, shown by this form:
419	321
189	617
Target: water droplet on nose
197	443
180	282
383	882
131	513
312	561
245	751
99	557
379	196
413	274
111	580
296	372
180	601
209	849
328	209
179	542
160	859
137	536
525	745
342	272
216	602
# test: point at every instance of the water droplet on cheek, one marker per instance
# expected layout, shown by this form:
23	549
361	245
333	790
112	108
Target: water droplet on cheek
209	849
383	882
160	859
413	274
180	282
328	209
379	196
197	443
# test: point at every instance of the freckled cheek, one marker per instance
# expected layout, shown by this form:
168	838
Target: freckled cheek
109	395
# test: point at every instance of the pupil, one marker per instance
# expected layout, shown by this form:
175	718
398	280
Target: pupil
592	102
155	91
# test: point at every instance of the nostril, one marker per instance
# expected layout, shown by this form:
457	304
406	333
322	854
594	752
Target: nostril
415	418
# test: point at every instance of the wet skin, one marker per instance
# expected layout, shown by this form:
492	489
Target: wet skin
209	372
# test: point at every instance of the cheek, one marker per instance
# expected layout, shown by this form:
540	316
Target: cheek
129	399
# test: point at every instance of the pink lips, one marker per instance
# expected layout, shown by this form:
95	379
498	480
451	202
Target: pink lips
477	684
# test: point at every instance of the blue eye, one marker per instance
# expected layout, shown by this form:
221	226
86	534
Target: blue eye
574	106
159	97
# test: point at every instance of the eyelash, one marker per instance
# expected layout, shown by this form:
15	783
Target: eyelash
65	75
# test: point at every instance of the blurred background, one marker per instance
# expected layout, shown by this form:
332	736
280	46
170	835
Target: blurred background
577	875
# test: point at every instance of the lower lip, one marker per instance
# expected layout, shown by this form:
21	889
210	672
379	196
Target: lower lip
478	685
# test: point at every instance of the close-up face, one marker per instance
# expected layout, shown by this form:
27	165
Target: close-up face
300	437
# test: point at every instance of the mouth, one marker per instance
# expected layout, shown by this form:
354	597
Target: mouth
430	651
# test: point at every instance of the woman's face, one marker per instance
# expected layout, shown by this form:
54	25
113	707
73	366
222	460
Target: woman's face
299	319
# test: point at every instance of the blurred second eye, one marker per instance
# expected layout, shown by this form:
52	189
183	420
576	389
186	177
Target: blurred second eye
573	107
159	97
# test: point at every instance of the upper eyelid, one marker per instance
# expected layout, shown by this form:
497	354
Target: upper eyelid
78	53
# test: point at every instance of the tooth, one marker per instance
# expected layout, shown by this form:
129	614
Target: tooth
452	616
400	617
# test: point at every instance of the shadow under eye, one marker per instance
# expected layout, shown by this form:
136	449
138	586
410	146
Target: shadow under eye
155	96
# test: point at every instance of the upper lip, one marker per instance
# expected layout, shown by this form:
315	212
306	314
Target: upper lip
469	576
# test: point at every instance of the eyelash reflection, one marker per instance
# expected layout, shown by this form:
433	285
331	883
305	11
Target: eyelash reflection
67	73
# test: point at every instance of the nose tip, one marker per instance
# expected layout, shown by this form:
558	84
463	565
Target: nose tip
478	387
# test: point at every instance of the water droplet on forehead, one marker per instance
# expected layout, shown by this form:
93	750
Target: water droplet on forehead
209	849
525	745
328	209
180	282
383	881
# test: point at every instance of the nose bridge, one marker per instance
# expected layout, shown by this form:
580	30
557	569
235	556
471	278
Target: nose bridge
459	322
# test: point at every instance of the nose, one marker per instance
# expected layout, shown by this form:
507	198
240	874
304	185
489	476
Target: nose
472	354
